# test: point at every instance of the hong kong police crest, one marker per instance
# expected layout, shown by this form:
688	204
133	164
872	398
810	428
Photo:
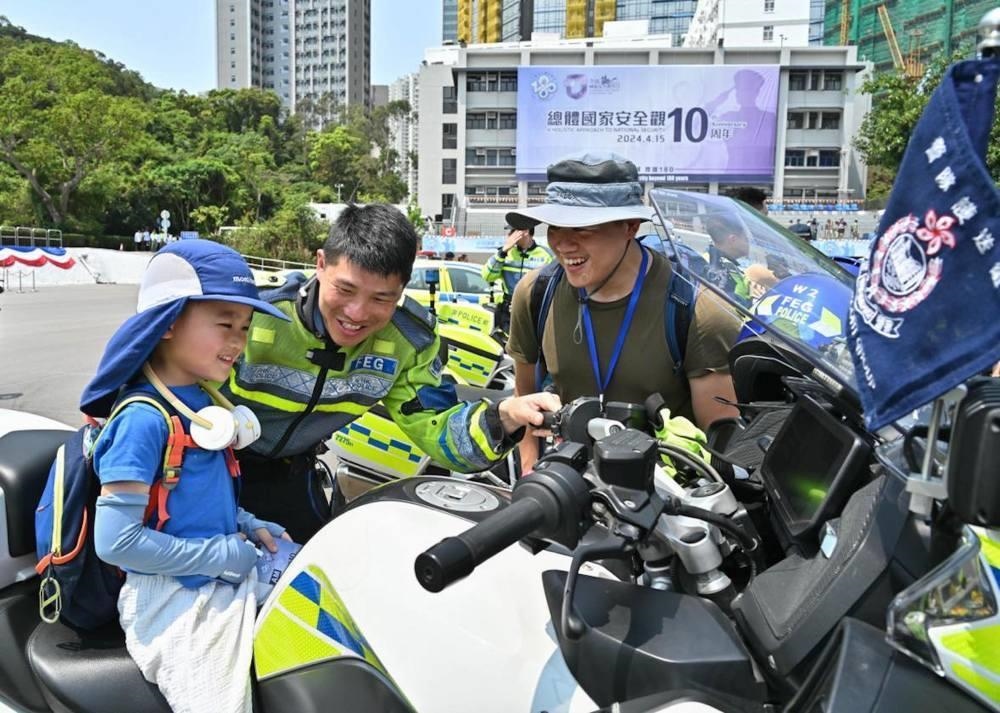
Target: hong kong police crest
905	268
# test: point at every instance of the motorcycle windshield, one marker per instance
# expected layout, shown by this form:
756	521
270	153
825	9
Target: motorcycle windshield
779	282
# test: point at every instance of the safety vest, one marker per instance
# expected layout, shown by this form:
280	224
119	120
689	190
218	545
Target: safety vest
304	388
512	267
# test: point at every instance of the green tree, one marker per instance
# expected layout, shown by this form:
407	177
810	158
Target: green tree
59	122
897	103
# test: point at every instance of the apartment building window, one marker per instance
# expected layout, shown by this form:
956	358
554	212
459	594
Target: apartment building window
475	82
232	23
508	81
769	33
449	100
833	81
475	121
813	122
796	120
831	120
815	81
449	170
232	36
768	5
508	121
447	205
795	157
449	136
797	81
829	158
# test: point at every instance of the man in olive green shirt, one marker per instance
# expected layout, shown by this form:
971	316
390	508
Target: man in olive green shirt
612	291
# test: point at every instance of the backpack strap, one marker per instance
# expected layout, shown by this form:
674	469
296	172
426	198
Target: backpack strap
542	293
173	457
677	314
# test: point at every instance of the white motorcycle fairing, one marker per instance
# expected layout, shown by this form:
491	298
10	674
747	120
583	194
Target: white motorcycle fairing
484	644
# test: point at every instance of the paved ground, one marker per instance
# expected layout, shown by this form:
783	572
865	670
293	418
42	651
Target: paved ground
51	341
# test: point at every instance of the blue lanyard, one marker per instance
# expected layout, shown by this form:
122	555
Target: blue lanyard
633	301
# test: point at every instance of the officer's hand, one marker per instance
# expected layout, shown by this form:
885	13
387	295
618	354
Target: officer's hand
527	411
514	236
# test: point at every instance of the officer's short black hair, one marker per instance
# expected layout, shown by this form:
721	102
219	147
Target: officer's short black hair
377	238
752	196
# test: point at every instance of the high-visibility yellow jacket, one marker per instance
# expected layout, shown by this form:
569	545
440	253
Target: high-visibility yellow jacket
515	265
398	365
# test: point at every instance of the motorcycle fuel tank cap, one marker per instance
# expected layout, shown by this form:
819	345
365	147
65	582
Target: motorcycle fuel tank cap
458	497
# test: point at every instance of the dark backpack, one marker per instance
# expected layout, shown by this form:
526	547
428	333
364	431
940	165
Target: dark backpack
677	313
77	587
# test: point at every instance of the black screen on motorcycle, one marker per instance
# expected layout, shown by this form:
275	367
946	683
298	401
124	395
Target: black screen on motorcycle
812	466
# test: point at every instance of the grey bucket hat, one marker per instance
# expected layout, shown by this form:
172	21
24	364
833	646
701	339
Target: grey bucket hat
587	189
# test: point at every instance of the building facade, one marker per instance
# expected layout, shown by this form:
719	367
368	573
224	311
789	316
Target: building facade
488	21
449	21
924	29
405	131
469	108
306	51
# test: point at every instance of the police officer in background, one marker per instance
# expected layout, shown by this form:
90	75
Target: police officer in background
520	254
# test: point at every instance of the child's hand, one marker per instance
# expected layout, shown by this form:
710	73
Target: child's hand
262	537
260	532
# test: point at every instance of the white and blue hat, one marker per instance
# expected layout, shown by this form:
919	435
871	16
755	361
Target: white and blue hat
587	189
182	271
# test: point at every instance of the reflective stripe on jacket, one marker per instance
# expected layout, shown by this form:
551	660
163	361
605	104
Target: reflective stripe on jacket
515	265
397	365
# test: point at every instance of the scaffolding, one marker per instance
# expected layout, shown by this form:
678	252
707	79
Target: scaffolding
926	29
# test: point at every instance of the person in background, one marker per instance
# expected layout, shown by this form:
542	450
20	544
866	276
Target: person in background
518	255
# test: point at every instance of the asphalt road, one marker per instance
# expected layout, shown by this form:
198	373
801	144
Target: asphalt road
51	341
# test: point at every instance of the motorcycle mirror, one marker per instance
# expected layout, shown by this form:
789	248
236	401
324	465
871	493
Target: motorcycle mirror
974	455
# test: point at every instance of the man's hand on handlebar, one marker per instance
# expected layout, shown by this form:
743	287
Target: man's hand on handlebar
528	411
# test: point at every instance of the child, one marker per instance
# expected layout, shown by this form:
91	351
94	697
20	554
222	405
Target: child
188	602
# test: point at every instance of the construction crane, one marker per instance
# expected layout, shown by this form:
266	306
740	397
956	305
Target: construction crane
911	66
890	36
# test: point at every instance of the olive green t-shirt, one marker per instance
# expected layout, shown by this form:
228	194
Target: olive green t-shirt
645	366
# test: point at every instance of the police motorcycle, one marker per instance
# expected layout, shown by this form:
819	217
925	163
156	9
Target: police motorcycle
763	581
374	450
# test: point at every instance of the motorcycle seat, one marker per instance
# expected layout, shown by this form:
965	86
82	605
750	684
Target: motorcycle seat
476	393
25	459
90	673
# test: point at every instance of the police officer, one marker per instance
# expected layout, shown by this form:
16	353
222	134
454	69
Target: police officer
350	344
519	254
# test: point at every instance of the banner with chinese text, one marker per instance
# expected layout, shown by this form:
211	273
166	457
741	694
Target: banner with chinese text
678	124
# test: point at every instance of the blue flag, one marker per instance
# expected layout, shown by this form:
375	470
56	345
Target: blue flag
926	310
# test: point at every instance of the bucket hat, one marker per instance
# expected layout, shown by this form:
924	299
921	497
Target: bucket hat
187	270
587	189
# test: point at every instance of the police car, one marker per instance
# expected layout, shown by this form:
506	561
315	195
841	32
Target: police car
457	282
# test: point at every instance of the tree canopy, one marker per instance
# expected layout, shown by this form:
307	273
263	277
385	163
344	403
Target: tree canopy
87	145
897	103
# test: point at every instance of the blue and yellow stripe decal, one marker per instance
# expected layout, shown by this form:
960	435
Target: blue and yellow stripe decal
308	623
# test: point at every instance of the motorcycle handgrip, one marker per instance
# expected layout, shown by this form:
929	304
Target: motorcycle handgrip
455	557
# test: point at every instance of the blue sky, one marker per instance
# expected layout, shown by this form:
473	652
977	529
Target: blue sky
171	43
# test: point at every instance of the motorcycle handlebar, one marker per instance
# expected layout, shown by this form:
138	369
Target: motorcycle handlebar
455	557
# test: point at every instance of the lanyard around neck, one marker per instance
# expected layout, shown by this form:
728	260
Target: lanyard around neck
633	301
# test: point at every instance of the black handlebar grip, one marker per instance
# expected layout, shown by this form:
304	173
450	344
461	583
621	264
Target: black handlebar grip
455	557
549	419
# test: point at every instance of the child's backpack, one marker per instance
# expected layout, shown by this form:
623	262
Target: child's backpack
77	587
